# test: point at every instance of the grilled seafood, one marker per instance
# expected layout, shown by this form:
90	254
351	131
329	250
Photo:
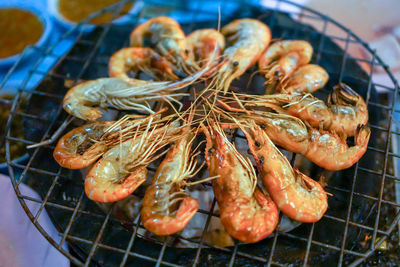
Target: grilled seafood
283	57
246	39
345	112
246	212
80	100
122	169
81	146
296	195
324	148
292	119
306	79
140	59
166	207
166	37
205	45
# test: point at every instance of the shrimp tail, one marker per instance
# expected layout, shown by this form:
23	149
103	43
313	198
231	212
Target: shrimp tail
362	136
169	225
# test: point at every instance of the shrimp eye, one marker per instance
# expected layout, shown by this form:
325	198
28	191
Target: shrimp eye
257	144
187	51
263	126
235	63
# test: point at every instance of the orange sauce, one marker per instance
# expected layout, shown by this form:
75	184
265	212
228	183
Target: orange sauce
77	10
18	29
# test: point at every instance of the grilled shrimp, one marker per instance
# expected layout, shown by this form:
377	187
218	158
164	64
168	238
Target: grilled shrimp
140	59
346	110
306	79
327	150
246	212
80	100
246	39
205	44
122	169
296	195
324	148
166	207
166	37
283	57
81	146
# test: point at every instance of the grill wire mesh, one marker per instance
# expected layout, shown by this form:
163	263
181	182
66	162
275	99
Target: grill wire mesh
97	238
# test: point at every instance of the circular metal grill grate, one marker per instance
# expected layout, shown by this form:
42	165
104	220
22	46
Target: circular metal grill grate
363	209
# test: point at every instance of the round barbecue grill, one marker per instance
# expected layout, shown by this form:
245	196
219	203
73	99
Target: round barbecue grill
362	211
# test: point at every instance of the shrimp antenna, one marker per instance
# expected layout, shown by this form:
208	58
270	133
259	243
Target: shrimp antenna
219	19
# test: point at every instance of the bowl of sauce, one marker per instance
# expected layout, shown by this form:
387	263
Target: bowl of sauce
21	25
69	13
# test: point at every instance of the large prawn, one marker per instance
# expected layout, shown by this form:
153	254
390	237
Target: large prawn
122	93
282	58
141	59
166	37
246	212
123	168
166	207
83	145
296	195
205	45
246	40
345	112
326	149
